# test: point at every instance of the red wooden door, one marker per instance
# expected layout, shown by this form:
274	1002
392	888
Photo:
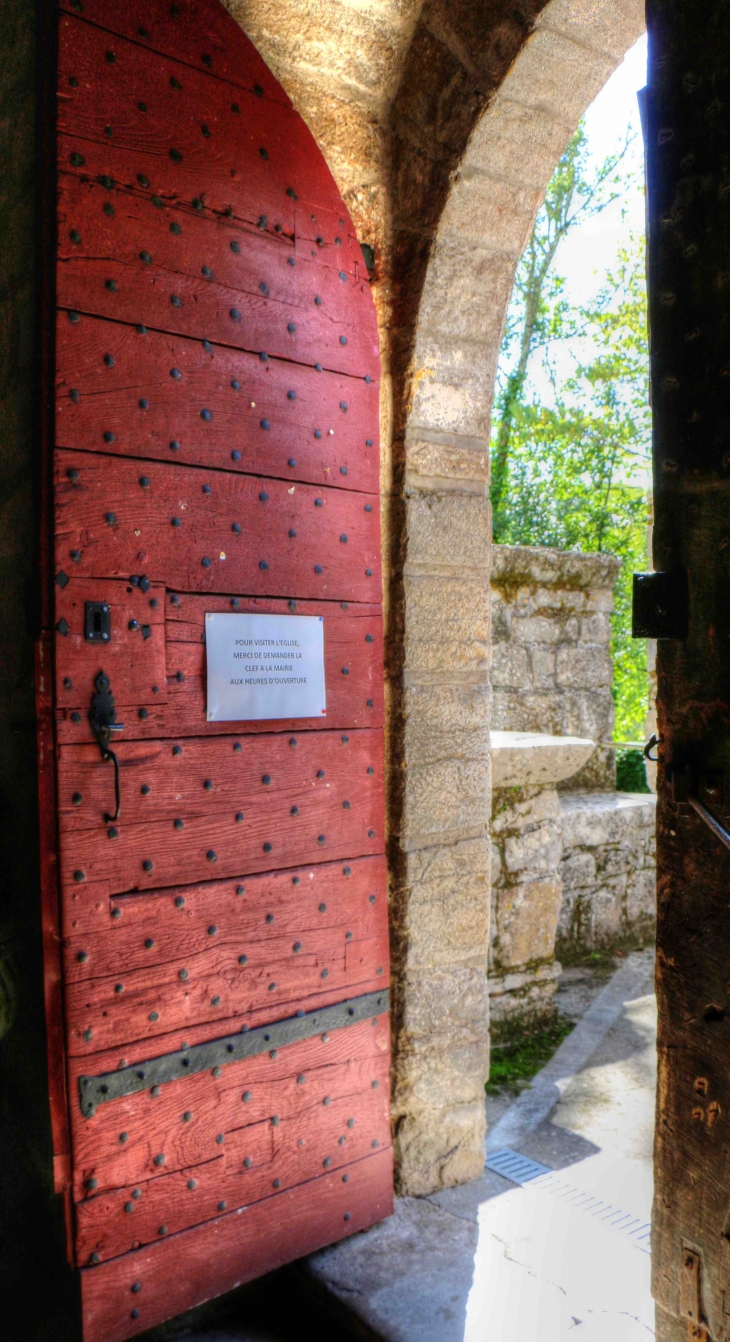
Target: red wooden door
224	938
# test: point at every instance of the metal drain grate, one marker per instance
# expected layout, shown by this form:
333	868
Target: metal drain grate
511	1165
520	1170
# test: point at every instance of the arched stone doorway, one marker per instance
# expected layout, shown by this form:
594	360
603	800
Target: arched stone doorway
442	125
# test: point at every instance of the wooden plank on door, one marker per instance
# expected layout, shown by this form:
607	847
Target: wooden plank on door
158	1139
273	417
199	275
191	954
199	35
256	1161
205	530
135	1291
219	807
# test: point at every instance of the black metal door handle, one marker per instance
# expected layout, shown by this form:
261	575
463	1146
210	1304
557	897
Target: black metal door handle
102	717
653	741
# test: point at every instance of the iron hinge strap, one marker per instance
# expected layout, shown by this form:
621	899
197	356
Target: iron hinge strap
96	1090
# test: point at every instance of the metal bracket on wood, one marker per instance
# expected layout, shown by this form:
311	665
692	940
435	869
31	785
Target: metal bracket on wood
215	1053
660	605
688	791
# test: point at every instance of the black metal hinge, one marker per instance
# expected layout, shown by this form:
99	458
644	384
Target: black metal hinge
661	605
215	1053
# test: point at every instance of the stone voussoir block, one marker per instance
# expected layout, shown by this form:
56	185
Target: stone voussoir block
445	796
447	624
448	528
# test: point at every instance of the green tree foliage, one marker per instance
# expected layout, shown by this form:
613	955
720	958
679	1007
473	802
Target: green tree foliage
570	459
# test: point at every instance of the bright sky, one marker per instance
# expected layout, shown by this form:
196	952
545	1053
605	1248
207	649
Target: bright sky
591	248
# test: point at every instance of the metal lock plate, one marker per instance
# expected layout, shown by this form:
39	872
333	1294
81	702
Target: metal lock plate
97	622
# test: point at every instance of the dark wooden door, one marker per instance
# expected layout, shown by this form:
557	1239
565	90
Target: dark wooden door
224	938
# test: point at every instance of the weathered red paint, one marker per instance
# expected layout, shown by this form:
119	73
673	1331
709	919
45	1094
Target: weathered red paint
202	530
180	1271
319	424
216	450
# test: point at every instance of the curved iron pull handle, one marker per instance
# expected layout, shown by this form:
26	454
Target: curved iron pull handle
102	717
653	741
710	820
109	819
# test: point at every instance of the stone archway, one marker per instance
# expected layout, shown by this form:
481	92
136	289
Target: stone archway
442	123
482	231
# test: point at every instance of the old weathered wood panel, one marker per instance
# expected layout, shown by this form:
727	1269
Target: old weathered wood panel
133	1292
222	886
688	149
271	417
203	530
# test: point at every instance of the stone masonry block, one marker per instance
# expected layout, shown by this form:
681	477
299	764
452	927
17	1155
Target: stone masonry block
489	212
526	922
441	876
466	291
516	142
510	666
518	809
453	385
610	26
442	1071
535	567
577	870
456	460
542	662
447	622
536	851
449	529
444	798
595	629
537	629
557	76
577	667
440	1148
445	722
446	930
525	712
444	999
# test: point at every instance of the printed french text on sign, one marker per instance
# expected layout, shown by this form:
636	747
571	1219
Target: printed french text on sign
264	667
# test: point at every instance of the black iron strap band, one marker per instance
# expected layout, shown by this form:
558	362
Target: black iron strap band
215	1053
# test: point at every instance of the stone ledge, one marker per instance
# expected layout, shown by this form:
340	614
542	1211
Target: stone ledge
527	759
529	565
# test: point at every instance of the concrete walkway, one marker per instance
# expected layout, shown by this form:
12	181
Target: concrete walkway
551	1260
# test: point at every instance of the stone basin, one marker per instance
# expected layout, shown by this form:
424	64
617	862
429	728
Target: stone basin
533	759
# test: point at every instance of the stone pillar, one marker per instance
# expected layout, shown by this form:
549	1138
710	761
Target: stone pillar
441	854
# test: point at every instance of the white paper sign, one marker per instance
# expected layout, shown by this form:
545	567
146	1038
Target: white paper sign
265	666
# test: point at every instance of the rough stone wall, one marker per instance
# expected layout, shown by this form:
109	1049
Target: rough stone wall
607	869
551	658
